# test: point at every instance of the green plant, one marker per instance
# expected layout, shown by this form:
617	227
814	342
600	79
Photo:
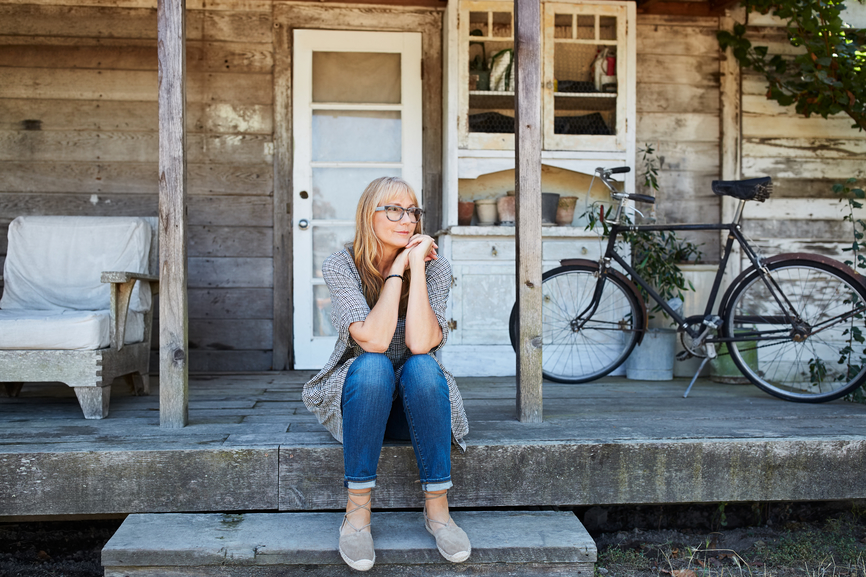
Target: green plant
853	198
722	517
827	77
655	255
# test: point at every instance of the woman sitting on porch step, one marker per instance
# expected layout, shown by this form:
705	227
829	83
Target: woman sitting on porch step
388	294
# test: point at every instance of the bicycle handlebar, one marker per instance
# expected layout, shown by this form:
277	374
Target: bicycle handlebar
619	170
642	198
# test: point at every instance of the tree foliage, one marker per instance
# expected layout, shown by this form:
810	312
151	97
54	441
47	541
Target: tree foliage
829	77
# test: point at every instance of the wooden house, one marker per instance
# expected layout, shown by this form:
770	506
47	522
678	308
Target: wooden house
292	106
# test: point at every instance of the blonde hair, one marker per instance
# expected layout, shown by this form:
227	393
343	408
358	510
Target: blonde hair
367	248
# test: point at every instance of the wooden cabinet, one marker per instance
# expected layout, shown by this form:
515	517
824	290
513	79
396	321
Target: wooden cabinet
588	87
588	116
483	291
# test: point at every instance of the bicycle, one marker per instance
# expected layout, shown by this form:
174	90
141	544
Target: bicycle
802	312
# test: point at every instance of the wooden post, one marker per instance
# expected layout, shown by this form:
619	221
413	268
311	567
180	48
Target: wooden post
173	317
283	274
527	108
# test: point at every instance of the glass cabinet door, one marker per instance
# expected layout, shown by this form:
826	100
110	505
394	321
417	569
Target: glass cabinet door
486	75
585	67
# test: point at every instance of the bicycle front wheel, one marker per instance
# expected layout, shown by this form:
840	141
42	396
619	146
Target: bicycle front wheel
580	349
810	347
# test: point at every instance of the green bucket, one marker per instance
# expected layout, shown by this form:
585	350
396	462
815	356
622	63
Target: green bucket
723	369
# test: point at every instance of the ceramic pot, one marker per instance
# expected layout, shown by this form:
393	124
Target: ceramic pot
565	210
486	211
549	203
505	205
723	369
464	212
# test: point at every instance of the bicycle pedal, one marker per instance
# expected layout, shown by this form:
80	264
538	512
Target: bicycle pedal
684	355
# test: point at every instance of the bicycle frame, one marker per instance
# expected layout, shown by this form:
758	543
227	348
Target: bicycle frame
687	323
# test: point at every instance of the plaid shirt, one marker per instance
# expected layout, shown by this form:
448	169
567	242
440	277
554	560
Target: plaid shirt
323	394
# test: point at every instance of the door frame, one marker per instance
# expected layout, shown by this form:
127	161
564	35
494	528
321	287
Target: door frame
287	17
315	350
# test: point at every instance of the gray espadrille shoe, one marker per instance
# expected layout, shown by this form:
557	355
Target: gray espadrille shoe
356	548
451	540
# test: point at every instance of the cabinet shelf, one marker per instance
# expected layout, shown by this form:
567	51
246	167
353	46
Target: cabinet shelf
584	94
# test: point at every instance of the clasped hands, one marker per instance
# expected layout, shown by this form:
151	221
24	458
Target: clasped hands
420	249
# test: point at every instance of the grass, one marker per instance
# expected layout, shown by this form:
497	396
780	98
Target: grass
834	548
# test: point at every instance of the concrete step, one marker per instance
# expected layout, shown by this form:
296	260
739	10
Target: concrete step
504	543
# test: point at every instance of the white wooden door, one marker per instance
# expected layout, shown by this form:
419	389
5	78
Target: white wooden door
356	117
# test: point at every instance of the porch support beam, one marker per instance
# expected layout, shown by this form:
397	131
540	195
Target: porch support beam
173	311
283	248
527	105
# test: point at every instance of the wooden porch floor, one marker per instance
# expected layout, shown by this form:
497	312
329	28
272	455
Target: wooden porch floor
252	446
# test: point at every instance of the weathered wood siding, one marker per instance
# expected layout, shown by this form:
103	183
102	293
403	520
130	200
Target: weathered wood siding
78	135
805	157
678	113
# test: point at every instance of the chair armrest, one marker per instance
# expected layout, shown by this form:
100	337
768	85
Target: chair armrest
115	276
122	284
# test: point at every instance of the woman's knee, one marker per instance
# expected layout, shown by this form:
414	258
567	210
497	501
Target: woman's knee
422	364
372	371
421	373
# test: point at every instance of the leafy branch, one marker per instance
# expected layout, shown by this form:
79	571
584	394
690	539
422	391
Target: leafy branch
829	77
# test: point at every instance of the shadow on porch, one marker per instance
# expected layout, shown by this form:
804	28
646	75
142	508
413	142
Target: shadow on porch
252	446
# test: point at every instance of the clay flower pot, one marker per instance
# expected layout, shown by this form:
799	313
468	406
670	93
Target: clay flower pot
464	212
565	210
505	205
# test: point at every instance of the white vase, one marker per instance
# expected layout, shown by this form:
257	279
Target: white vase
486	211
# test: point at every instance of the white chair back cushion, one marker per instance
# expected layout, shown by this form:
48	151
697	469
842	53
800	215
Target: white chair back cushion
55	262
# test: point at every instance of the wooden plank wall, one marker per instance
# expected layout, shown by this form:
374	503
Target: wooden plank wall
805	157
678	113
78	136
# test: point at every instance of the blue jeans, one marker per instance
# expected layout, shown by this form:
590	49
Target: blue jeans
421	412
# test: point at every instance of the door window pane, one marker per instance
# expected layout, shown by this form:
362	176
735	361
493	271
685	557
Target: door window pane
356	77
322	326
356	136
336	191
326	241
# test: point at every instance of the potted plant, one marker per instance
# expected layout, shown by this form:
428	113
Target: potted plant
656	256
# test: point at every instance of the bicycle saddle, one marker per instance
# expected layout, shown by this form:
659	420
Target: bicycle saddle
758	189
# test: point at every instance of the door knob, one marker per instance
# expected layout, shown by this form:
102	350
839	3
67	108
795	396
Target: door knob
303	224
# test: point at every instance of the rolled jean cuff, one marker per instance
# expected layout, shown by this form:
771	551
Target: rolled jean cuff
359	484
440	486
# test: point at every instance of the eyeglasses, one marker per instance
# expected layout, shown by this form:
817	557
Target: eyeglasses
395	213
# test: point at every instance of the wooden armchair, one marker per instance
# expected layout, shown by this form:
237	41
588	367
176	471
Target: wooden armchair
65	316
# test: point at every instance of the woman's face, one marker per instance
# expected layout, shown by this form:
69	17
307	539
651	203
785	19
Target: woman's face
394	234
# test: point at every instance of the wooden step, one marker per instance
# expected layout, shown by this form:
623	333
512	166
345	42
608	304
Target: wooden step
504	543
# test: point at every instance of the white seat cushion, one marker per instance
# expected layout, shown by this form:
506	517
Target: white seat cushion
75	330
56	262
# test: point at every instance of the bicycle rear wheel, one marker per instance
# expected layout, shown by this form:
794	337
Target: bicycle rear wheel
578	352
815	353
